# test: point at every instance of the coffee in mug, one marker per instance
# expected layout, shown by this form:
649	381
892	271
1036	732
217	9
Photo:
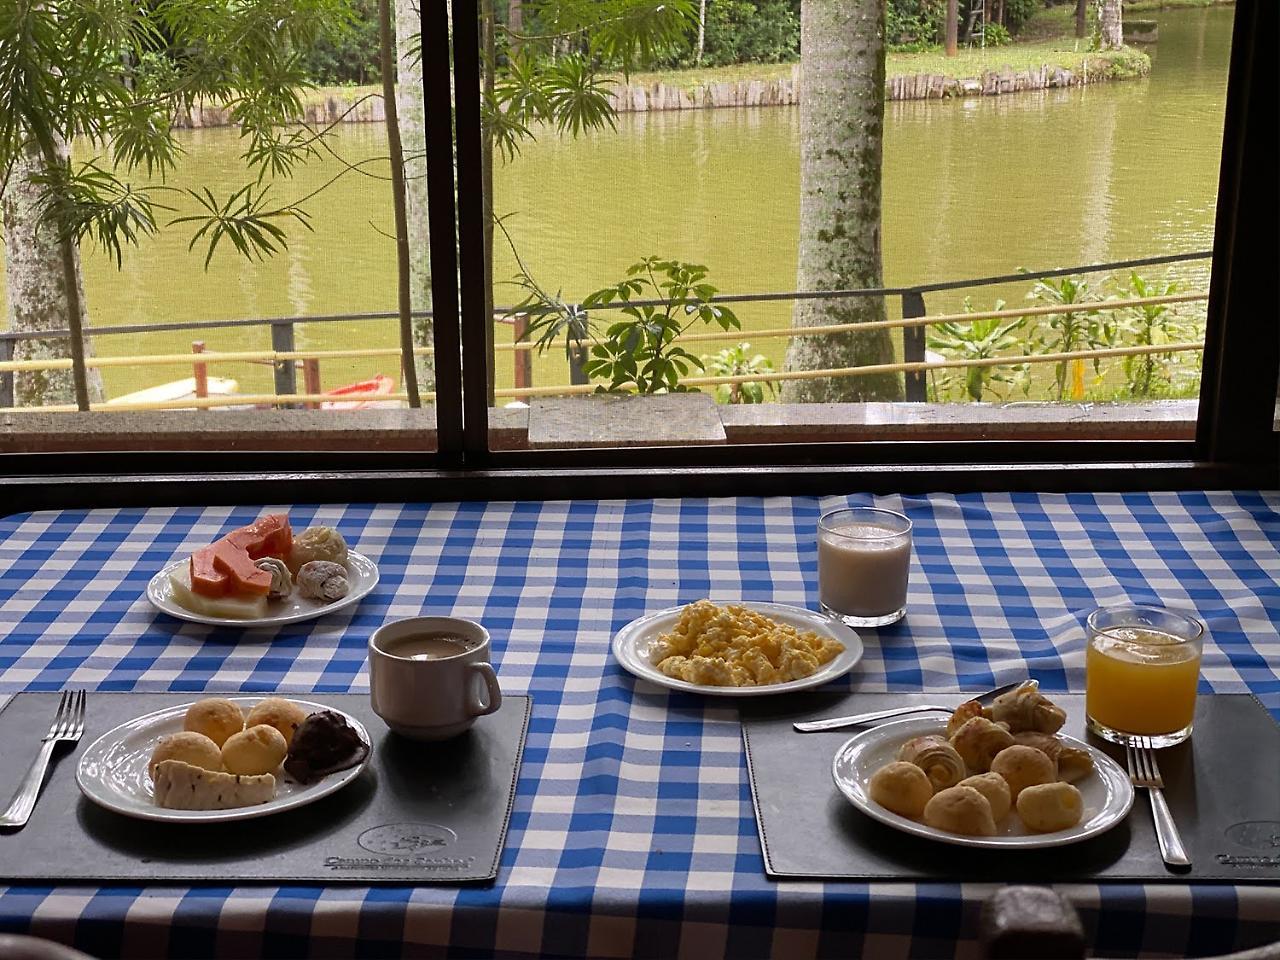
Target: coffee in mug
435	645
430	677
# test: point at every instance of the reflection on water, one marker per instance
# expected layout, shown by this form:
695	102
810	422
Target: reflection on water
972	188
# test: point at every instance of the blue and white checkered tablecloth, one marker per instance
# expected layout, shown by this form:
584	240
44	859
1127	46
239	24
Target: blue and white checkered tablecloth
633	832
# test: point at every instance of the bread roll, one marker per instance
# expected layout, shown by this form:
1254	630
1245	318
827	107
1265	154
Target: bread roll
901	787
1023	767
255	751
216	717
993	787
190	747
1047	807
317	543
960	810
937	758
285	715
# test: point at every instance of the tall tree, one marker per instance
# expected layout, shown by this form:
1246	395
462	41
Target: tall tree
39	298
1111	24
1082	18
413	140
841	148
953	26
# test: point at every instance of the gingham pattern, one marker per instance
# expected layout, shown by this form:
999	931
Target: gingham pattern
633	832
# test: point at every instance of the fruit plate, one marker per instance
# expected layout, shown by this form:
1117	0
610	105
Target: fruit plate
1107	792
291	609
633	647
113	770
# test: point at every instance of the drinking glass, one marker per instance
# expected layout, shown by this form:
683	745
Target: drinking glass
864	556
1142	666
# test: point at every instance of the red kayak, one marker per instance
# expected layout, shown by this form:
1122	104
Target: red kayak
359	396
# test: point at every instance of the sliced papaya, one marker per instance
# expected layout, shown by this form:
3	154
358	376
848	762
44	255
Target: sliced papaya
236	563
269	536
206	579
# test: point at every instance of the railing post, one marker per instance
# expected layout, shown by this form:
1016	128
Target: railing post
286	376
913	342
200	372
6	378
522	360
311	380
577	357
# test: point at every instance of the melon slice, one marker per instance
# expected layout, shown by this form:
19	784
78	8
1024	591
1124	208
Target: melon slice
181	786
242	607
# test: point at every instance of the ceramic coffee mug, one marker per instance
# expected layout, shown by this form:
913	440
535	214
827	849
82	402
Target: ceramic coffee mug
437	698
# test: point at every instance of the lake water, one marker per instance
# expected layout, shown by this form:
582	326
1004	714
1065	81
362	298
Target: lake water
972	188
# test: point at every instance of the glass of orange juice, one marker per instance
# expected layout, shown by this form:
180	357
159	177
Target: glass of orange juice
1142	666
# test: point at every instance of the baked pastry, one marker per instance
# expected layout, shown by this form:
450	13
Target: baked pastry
1026	708
189	747
323	580
1047	807
962	715
181	786
255	751
216	717
281	579
317	543
978	741
937	758
285	715
1023	767
325	743
960	810
901	787
995	789
1073	763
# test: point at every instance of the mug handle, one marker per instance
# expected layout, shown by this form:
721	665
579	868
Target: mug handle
478	707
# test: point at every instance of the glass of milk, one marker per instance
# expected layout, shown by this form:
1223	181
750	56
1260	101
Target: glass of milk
864	556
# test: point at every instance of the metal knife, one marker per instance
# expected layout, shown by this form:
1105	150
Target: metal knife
839	723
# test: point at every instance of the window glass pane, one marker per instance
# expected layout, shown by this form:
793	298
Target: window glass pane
785	162
264	267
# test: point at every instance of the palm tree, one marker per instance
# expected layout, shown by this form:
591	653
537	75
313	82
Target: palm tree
841	149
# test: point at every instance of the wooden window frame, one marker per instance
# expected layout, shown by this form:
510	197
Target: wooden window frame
1235	443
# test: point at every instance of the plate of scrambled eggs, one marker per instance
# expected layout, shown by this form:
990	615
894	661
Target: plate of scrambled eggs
737	648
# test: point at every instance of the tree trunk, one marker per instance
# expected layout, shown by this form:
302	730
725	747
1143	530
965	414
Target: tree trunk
702	30
841	148
515	21
1110	24
1082	18
953	26
413	139
39	284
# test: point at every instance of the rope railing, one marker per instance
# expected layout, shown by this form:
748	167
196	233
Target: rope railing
242	400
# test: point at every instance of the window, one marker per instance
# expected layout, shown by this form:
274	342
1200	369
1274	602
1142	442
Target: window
1051	284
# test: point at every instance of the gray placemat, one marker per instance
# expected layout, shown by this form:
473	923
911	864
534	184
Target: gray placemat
418	813
1223	787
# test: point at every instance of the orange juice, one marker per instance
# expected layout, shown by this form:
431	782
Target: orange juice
1140	680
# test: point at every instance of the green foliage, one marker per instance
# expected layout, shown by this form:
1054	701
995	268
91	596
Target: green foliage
349	55
1018	12
112	74
736	361
660	300
982	339
913	25
1150	325
994	35
1084	328
750	31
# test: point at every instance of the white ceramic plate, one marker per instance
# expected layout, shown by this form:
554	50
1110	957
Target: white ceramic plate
113	770
291	609
633	646
1107	792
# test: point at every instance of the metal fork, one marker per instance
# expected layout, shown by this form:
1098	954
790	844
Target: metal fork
67	727
1145	772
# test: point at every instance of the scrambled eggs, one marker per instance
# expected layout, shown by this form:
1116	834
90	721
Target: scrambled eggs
732	646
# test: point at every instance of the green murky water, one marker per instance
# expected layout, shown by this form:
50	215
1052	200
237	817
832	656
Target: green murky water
972	188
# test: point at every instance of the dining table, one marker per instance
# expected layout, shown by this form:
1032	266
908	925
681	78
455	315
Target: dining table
633	832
